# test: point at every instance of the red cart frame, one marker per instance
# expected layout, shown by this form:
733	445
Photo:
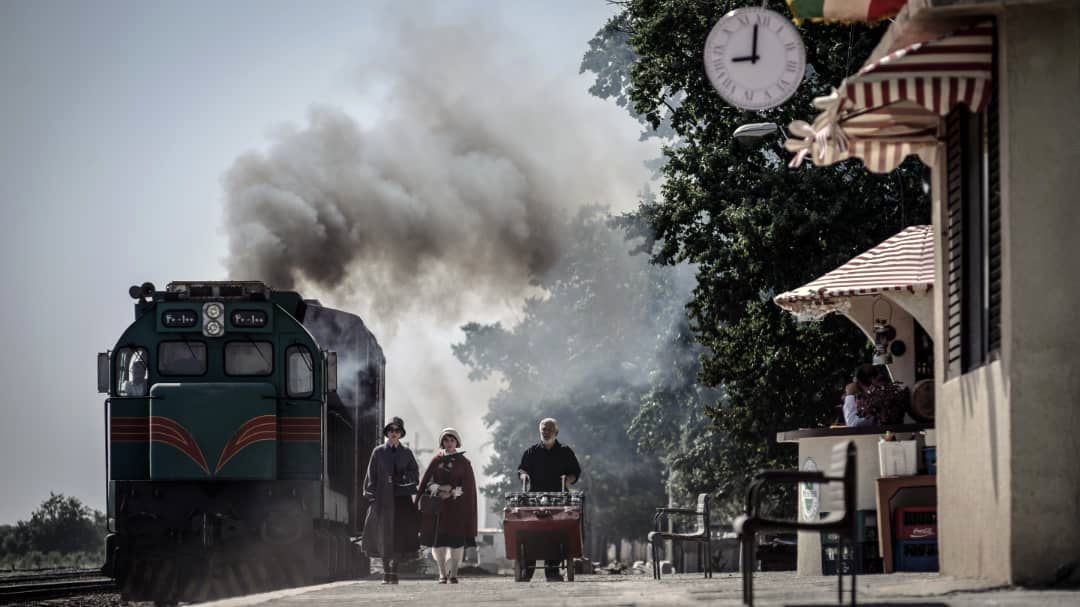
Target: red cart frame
543	526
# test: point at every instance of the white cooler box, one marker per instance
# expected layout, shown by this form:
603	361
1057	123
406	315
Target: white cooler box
898	458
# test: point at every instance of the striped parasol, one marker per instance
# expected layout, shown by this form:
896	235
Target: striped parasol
904	262
843	11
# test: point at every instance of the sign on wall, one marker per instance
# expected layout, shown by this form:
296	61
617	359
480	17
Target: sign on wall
809	494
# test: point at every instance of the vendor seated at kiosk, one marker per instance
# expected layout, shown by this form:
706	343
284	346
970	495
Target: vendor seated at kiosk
866	375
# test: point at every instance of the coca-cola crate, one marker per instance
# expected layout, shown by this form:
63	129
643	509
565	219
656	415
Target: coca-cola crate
915	555
915	523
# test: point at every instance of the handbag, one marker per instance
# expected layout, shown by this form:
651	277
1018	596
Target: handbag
430	504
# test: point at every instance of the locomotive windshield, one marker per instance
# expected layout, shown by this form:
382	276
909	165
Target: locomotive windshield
182	358
249	358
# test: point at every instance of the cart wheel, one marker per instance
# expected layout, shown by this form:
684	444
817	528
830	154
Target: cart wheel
570	569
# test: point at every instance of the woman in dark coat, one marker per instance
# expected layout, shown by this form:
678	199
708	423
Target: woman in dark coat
390	530
449	478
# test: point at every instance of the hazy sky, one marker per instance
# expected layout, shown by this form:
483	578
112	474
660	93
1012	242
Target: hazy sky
118	121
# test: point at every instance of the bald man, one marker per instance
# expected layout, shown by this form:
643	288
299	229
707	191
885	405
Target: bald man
545	465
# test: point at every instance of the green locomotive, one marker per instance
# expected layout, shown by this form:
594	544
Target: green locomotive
239	424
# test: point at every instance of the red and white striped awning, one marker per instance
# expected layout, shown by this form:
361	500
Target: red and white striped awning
904	262
892	107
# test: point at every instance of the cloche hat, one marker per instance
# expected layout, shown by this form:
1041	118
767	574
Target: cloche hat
450	432
394	421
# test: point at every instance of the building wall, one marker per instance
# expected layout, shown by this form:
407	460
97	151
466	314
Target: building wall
1041	317
894	308
1009	432
974	506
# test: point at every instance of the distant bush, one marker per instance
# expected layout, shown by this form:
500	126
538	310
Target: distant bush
62	532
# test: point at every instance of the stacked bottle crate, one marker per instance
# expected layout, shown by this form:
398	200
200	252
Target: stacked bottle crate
915	544
864	553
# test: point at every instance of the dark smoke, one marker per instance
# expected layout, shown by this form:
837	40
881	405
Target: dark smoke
463	184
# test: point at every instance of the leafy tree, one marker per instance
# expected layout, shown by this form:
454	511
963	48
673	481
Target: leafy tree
610	58
64	524
752	227
60	524
598	344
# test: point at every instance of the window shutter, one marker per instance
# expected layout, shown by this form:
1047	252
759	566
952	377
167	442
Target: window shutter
954	258
993	225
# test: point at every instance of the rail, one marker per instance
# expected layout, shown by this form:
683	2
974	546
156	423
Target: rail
19	589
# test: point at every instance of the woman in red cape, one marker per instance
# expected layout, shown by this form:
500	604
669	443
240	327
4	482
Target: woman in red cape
447	502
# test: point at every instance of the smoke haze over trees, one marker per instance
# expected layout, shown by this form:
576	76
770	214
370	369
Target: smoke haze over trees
437	209
752	227
608	335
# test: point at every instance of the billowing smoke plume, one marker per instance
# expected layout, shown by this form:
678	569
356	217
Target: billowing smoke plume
434	209
461	185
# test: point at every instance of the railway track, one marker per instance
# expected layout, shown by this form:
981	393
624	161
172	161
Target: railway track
24	588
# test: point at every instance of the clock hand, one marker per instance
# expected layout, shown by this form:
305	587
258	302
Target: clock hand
753	56
753	50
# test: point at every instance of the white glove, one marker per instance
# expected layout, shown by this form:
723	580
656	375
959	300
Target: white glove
433	489
457	492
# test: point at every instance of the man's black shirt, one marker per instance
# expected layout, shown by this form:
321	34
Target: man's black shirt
546	466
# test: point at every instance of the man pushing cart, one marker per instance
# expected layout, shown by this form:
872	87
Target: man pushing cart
545	520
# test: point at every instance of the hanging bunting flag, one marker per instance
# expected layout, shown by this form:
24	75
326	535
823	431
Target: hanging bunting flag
846	11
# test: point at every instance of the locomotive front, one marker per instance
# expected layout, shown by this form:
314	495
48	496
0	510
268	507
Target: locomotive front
217	424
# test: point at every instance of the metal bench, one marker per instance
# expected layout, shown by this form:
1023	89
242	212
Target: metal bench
838	499
700	534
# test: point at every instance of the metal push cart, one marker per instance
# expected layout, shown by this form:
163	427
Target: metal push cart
543	526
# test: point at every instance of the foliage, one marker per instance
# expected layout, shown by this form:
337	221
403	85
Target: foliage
610	58
51	560
885	403
608	335
62	530
753	227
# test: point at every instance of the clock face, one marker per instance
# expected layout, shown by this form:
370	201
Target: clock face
755	58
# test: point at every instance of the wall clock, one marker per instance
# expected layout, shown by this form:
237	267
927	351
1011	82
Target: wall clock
755	58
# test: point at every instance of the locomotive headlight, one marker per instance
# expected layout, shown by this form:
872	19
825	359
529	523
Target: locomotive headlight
213	316
213	311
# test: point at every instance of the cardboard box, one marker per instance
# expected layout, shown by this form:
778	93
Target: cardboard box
898	458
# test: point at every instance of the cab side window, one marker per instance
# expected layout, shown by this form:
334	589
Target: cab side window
131	371
182	358
299	374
